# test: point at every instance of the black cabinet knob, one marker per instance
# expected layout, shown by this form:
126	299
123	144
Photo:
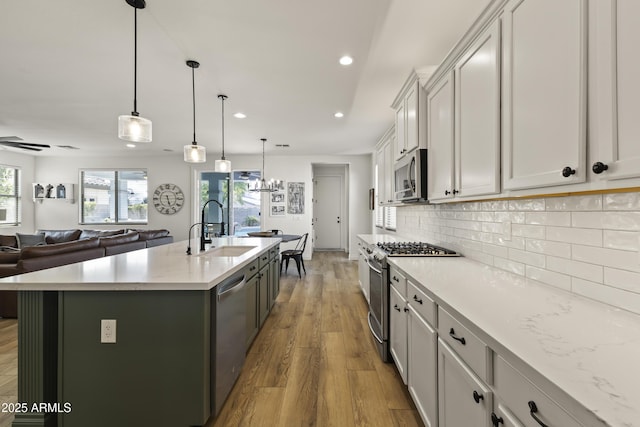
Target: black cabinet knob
496	420
447	192
455	191
567	172
406	309
599	167
477	396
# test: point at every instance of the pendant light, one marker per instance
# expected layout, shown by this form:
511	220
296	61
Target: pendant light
135	128
262	185
194	153
223	165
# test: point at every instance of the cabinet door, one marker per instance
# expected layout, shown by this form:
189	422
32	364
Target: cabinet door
412	119
388	171
401	135
440	128
615	66
422	363
477	106
544	93
463	399
398	331
363	274
252	309
263	294
382	176
273	282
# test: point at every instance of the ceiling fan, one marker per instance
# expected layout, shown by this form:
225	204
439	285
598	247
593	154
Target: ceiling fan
15	142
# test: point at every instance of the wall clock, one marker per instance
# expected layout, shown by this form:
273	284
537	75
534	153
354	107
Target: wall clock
168	199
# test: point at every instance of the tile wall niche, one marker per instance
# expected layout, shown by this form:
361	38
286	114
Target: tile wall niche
588	245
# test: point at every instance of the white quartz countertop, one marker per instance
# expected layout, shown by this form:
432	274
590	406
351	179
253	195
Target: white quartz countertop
165	267
587	349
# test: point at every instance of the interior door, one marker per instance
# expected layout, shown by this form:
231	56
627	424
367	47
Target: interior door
327	209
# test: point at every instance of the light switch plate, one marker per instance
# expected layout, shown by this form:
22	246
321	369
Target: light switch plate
108	331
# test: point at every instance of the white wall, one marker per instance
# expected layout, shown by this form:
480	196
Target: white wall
172	169
26	165
588	245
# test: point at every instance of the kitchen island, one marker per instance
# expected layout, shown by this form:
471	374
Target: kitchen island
160	369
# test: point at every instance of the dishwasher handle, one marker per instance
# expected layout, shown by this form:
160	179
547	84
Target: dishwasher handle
230	288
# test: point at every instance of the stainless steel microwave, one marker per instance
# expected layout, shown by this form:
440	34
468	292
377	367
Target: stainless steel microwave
410	177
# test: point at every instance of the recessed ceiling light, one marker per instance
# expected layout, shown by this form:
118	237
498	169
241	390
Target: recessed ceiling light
240	115
131	145
338	115
346	60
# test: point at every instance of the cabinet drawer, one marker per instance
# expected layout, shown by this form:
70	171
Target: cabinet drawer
517	392
398	280
424	306
274	252
469	347
252	269
264	259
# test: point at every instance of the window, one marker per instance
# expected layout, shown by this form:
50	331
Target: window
113	196
10	200
385	215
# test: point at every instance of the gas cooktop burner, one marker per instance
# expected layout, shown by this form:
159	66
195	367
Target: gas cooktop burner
414	249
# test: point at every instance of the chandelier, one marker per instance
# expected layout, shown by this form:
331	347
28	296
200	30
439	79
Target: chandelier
262	185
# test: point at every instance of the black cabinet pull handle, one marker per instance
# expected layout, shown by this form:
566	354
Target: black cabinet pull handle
406	309
452	334
533	410
396	307
599	167
395	278
416	299
447	192
496	420
477	396
567	172
252	268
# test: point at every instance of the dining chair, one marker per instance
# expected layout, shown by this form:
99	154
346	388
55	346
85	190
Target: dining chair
296	254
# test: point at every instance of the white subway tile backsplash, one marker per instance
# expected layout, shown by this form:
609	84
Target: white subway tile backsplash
546	247
622	201
589	244
582	236
551	278
624	240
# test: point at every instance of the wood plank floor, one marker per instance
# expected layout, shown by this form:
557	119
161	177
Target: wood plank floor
313	363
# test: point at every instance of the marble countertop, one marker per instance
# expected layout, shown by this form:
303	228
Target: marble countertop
587	349
165	267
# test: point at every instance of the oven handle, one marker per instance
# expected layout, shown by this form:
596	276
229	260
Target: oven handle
371	328
372	267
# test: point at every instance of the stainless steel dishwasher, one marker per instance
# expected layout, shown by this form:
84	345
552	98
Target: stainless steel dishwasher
230	337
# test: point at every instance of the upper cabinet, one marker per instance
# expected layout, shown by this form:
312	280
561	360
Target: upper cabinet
384	164
614	89
440	125
477	116
409	106
544	93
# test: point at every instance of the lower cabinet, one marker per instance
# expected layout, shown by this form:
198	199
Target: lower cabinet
263	285
463	399
502	417
422	367
398	331
252	309
274	282
264	299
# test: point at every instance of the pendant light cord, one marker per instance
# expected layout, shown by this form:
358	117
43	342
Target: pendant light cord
135	61
193	91
222	97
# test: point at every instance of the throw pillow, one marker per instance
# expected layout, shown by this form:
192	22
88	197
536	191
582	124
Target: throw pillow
26	240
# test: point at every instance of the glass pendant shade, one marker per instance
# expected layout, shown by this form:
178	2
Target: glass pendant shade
223	166
195	153
134	128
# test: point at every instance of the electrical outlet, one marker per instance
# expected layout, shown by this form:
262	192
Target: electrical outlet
108	331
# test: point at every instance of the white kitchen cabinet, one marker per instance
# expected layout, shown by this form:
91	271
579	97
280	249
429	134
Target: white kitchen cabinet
477	116
615	89
398	330
422	366
363	269
502	416
410	121
440	121
544	93
384	163
463	399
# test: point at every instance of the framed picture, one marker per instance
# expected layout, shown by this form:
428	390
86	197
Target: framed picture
277	197
295	198
372	199
277	210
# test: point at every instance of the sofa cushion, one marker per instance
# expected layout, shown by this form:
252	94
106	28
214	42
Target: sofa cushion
7	240
61	236
59	248
9	257
151	234
119	239
99	233
27	240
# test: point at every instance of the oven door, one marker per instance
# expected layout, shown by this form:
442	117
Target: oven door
379	306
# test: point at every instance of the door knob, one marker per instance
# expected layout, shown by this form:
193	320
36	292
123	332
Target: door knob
599	167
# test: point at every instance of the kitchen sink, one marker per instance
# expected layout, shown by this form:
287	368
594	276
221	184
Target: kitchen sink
227	251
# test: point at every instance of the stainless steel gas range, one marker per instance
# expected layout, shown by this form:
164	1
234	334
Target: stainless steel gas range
379	284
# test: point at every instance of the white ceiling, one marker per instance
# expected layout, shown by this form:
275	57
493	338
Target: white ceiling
67	70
